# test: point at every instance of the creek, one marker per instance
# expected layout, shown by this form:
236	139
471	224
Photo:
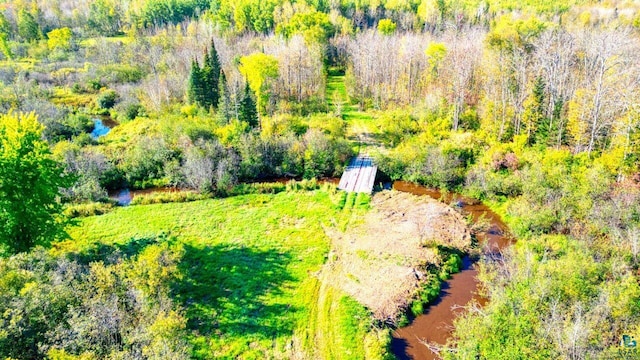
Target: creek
436	324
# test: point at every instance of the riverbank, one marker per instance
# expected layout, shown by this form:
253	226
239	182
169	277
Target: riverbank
381	258
434	327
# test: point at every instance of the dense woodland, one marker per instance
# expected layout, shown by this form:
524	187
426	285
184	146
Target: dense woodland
531	107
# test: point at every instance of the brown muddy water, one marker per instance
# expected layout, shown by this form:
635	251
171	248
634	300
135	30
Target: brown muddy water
436	324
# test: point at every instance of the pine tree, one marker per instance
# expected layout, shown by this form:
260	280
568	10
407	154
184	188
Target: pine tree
214	64
224	100
28	27
248	110
195	91
207	79
211	75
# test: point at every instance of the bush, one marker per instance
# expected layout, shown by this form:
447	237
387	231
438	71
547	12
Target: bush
121	73
132	111
116	299
258	188
107	99
304	185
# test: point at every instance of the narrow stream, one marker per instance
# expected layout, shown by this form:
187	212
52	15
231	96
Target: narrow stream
436	324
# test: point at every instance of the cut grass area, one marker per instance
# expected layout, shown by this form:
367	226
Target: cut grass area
248	282
339	99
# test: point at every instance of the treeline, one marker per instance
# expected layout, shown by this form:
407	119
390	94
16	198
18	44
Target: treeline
556	86
264	85
29	20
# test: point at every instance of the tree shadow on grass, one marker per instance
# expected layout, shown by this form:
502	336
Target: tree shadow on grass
224	289
114	253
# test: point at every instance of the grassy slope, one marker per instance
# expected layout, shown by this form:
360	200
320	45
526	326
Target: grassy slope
248	272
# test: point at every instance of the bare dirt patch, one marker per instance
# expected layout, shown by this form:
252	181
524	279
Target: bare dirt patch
380	260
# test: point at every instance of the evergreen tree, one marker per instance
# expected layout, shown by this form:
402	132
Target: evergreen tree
5	35
534	113
196	89
207	80
211	75
28	28
248	110
224	100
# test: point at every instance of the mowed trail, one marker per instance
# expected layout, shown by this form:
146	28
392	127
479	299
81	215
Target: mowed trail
361	125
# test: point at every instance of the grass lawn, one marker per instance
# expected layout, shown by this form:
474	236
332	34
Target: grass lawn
249	273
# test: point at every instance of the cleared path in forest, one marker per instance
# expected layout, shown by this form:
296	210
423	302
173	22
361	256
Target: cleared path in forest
359	176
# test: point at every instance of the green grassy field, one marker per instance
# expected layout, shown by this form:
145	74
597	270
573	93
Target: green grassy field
250	283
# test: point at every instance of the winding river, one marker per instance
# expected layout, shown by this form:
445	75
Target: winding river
436	324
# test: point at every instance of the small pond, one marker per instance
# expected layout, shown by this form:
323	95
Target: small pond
102	127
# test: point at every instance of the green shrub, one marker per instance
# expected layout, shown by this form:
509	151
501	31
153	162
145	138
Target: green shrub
107	99
304	185
363	200
417	308
258	188
342	200
121	73
132	111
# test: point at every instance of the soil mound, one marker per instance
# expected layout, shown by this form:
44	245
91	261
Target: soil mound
379	261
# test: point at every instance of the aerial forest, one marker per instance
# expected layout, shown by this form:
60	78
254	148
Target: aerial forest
231	122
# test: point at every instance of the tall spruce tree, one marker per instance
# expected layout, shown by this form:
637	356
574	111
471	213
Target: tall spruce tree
196	87
211	75
224	100
214	77
248	110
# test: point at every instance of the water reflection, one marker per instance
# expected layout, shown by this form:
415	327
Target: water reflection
100	129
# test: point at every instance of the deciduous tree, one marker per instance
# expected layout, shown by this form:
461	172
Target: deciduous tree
259	68
30	183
